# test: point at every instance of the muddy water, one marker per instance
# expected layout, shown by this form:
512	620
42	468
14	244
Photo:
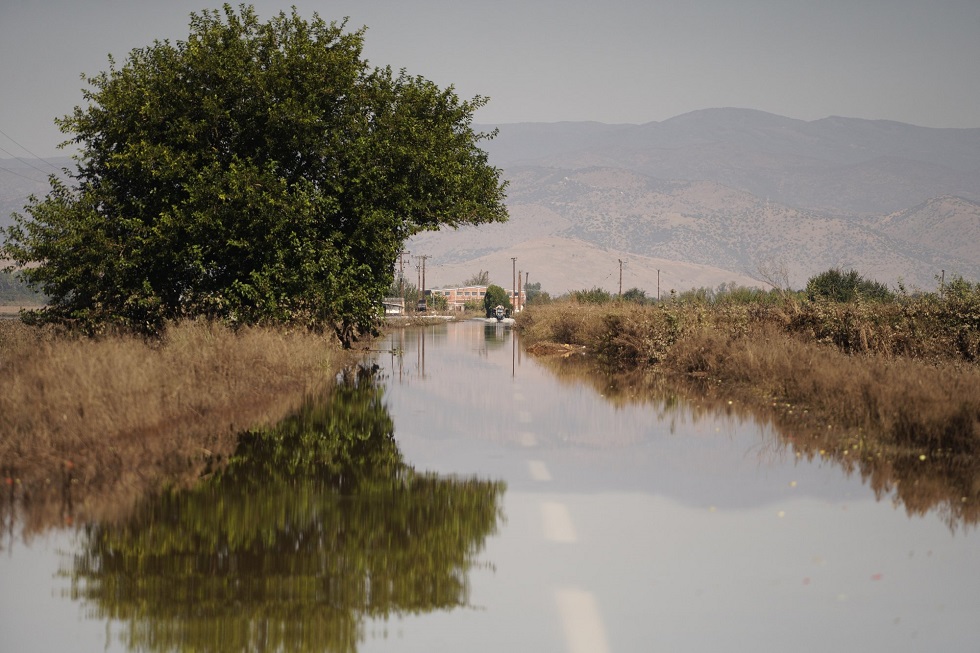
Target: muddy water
483	503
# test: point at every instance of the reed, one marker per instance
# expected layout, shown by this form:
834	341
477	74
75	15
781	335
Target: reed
906	374
121	415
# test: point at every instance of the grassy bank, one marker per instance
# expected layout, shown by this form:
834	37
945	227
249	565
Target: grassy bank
906	372
888	391
86	420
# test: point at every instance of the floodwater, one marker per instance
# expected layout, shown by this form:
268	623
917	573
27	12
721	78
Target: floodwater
487	501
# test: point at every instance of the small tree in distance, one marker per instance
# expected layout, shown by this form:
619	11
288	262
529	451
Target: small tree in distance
482	278
496	296
837	285
636	296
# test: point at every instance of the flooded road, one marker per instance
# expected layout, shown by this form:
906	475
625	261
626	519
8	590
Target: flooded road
649	527
485	504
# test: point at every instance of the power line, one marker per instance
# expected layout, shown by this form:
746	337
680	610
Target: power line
17	174
12	140
26	163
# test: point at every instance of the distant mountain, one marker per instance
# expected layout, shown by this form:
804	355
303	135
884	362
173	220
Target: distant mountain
726	192
695	233
836	165
944	224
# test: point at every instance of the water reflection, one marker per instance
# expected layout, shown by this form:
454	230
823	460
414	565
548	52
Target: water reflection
943	482
313	527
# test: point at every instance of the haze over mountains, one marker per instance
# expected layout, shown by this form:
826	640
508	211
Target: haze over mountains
716	195
703	198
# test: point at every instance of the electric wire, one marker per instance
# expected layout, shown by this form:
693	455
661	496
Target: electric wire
12	140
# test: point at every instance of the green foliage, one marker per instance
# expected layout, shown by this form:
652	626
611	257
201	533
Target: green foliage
839	286
594	296
437	302
534	294
731	293
700	295
313	527
256	172
494	297
14	290
636	296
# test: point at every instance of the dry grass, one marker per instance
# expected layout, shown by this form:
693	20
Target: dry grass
921	393
83	420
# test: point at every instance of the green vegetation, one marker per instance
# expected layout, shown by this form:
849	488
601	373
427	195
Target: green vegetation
534	294
636	295
14	291
313	526
254	173
839	286
494	297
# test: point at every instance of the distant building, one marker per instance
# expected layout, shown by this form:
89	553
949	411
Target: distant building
394	306
456	298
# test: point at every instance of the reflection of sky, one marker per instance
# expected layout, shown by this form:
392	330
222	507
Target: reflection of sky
705	538
478	407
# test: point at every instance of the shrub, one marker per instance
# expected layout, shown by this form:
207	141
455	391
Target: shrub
839	286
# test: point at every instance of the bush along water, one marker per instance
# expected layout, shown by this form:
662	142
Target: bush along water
904	367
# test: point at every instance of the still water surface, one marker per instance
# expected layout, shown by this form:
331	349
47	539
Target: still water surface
486	504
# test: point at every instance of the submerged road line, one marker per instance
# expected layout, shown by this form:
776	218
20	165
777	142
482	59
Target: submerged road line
556	522
527	439
581	621
538	470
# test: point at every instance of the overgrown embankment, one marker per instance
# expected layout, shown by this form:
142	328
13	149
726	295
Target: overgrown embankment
906	372
890	390
85	418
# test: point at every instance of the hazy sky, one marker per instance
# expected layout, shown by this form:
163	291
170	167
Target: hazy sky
630	61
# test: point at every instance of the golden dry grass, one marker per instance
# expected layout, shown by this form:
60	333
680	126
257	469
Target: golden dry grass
902	412
919	393
83	419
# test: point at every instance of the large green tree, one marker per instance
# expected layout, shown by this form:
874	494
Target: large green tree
254	172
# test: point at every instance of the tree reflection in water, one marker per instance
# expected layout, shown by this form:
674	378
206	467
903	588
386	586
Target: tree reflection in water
314	526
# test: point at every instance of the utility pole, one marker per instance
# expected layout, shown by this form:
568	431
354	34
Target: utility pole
422	277
620	277
401	275
526	275
519	287
658	284
513	279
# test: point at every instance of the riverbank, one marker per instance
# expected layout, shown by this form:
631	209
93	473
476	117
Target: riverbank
875	378
83	420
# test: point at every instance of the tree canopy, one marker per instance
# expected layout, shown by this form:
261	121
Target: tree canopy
495	296
256	172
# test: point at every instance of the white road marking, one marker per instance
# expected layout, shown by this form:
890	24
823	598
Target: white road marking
584	630
539	471
556	522
524	416
527	439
